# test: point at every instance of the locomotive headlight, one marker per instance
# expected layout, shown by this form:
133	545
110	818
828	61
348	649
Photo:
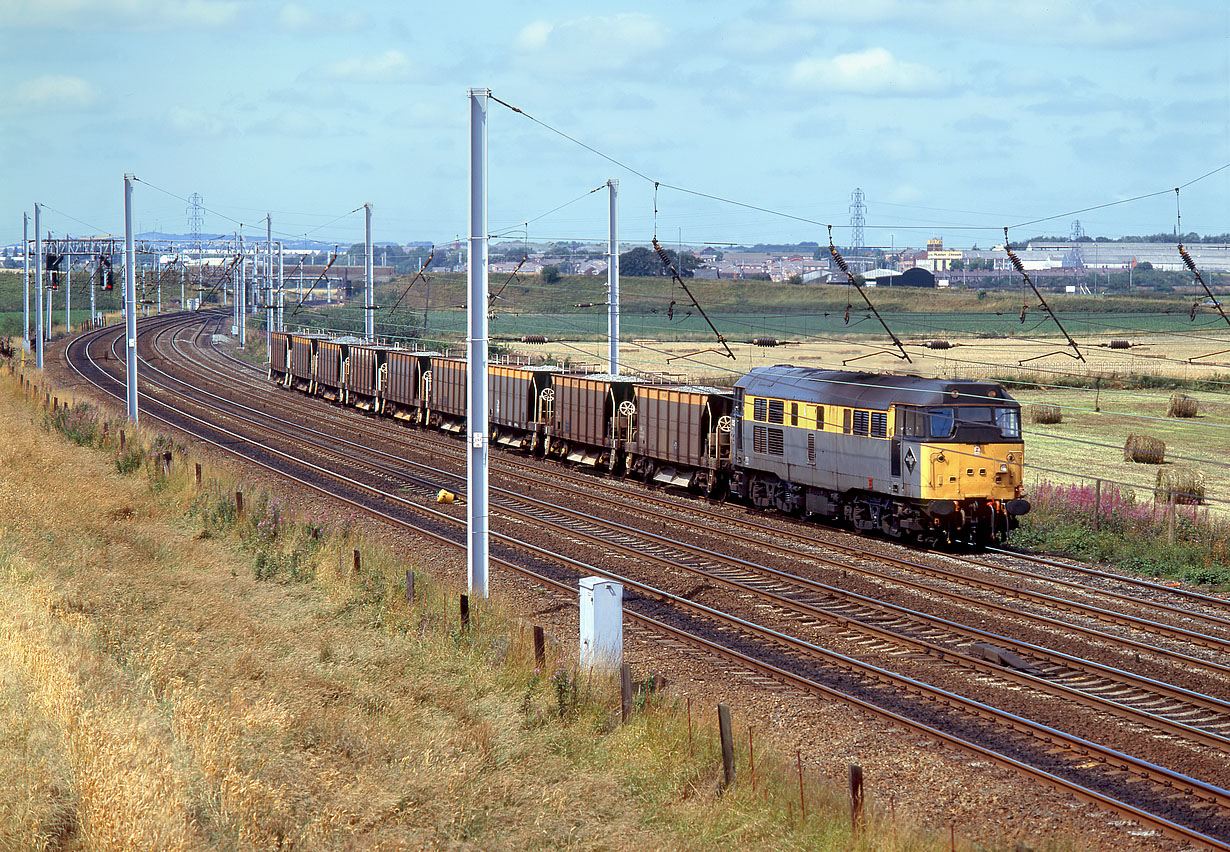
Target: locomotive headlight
1003	468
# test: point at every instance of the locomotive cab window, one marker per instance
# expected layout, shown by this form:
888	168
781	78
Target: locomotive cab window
942	422
910	422
819	413
1009	420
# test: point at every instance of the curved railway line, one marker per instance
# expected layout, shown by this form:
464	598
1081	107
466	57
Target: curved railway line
1161	716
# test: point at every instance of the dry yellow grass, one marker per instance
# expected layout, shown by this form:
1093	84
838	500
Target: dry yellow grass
154	694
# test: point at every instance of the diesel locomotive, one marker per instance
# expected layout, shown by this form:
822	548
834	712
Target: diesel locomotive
917	459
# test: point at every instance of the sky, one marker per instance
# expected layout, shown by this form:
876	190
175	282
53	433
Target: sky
758	120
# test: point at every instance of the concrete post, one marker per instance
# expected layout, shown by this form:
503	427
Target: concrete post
38	289
25	280
268	287
281	290
612	280
369	295
602	622
241	295
476	467
130	297
68	292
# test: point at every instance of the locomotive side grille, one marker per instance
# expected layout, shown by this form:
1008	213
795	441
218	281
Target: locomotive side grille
777	411
811	449
760	407
777	442
861	421
760	439
879	424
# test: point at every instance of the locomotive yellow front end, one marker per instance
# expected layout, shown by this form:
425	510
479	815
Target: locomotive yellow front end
970	467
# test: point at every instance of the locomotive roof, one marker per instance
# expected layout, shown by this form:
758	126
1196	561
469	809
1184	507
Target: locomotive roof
866	390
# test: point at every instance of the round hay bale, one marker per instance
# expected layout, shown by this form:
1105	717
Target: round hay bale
1045	413
1144	449
1182	405
1185	483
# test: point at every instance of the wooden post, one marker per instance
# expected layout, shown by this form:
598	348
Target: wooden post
690	751
465	612
751	758
409	586
166	462
55	403
798	758
121	440
239	504
540	647
728	746
1170	519
625	692
856	799
1097	502
358	564
198	473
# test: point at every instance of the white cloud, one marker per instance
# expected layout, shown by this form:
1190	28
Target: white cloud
389	67
297	18
874	71
112	15
55	91
1124	23
593	43
194	123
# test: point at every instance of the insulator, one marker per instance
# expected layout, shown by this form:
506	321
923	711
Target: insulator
765	341
666	258
1187	258
1192	314
841	261
847	316
938	344
1024	308
1120	344
670	310
1016	261
534	338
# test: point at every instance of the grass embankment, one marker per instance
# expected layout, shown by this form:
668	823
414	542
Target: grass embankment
174	675
1130	528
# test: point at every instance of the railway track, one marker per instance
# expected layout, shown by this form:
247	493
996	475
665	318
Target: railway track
1198	805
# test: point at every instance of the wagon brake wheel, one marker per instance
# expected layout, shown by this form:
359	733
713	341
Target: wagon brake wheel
627	408
725	423
547	395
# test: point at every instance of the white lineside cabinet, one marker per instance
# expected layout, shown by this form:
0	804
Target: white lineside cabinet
602	622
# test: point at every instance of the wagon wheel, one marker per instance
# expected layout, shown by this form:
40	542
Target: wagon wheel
725	423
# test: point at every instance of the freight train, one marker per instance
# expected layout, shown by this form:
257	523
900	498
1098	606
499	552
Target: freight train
932	461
